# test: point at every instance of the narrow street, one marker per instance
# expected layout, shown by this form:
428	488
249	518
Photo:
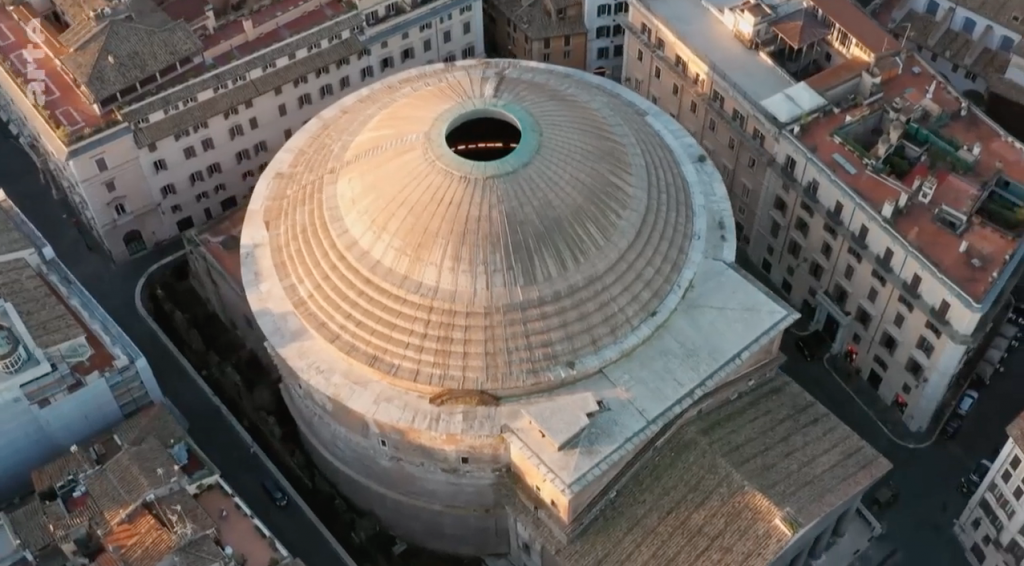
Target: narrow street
919	526
113	287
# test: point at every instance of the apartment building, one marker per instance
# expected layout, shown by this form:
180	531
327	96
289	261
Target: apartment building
991	527
874	196
157	117
550	31
138	494
66	370
967	42
976	45
606	36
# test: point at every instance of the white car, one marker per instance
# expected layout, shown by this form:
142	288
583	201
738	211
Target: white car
967	401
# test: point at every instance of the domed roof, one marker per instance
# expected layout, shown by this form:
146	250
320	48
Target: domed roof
437	271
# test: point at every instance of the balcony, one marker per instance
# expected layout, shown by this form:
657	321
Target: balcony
882	264
835	216
910	290
938	316
810	193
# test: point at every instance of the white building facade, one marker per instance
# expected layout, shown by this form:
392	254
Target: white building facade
606	35
965	42
186	154
826	240
67	371
991	527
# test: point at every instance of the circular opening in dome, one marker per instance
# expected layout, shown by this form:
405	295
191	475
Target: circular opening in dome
483	135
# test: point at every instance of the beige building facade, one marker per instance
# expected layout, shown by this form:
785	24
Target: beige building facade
182	145
991	527
548	31
861	248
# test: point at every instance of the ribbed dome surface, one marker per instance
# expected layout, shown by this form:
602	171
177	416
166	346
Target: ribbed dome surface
507	276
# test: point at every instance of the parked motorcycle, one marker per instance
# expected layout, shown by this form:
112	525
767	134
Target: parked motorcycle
964	488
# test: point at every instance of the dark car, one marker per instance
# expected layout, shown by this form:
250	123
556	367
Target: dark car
972	482
814	346
966	403
952	426
275	492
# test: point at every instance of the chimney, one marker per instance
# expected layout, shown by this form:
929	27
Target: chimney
931	90
888	208
963	246
247	26
903	201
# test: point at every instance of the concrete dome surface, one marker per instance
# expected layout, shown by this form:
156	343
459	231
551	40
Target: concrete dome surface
486	227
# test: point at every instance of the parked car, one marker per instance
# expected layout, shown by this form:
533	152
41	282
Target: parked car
952	426
276	493
814	346
966	402
885	497
972	482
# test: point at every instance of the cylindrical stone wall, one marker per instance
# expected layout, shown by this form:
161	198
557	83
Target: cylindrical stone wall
436	505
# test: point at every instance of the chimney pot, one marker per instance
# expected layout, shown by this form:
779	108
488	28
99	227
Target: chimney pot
963	246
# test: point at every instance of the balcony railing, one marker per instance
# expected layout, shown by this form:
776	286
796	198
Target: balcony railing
910	291
882	264
811	194
938	316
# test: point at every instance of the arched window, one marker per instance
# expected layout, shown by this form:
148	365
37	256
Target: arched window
968	26
134	242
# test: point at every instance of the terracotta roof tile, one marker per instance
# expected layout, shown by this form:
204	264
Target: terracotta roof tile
30	526
848	15
141	540
154	421
731	486
56	471
800	28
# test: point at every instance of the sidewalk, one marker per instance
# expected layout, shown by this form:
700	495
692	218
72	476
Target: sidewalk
834	384
886	415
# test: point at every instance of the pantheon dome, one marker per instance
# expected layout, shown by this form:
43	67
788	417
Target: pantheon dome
452	266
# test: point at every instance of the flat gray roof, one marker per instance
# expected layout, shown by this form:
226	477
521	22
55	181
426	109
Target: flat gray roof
693	23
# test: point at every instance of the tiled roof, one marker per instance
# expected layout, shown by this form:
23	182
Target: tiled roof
953	45
534	21
182	506
731	486
29	526
56	471
140	470
141	540
11	238
120	52
201	551
800	28
999	11
46	317
849	16
154	421
262	84
217	77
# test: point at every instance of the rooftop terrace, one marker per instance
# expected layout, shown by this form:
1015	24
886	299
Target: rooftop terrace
49	319
755	63
69	113
97	498
958	173
69	108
